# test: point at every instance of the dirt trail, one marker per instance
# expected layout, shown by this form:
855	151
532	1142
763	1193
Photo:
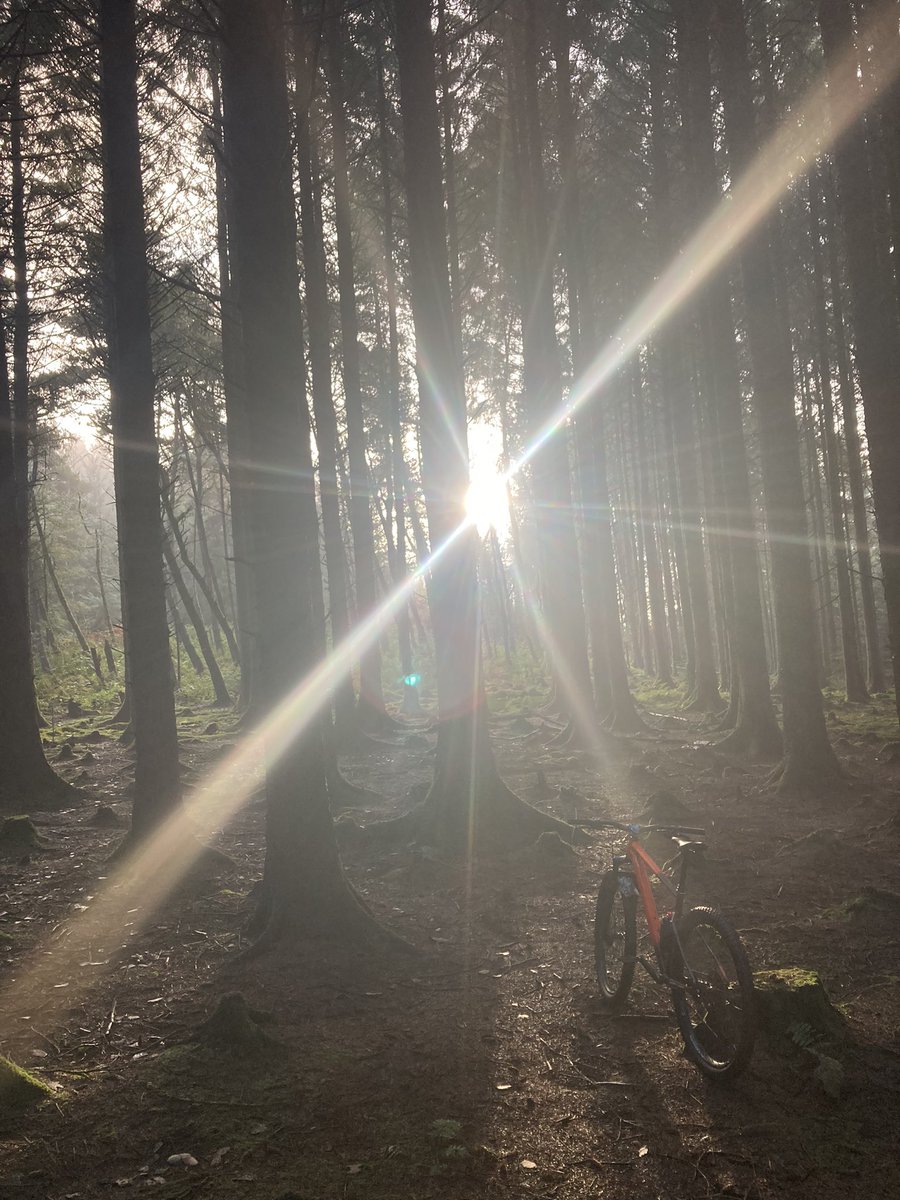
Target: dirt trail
486	1067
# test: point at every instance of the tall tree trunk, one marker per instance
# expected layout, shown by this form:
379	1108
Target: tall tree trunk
875	318
612	695
467	803
411	705
318	317
135	452
446	109
853	676
755	730
808	757
222	698
57	586
648	525
560	573
305	890
236	421
371	697
182	639
874	667
703	689
21	319
26	780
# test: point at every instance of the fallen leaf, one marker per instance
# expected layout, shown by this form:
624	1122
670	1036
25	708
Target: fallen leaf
503	1087
218	1155
354	1168
643	1150
528	1165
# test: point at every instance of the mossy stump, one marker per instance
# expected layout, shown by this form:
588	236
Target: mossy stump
18	1089
235	1028
791	997
19	835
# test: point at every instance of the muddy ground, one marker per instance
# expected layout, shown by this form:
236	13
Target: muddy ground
483	1066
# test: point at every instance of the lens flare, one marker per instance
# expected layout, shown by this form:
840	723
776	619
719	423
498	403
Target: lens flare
140	884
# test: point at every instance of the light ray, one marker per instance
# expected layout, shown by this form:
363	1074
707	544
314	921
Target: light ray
817	123
162	862
584	718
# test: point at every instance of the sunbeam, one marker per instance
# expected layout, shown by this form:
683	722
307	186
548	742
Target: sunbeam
156	867
788	156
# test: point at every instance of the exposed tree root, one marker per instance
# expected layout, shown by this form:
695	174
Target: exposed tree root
760	741
343	794
48	793
342	918
795	775
626	720
705	700
497	821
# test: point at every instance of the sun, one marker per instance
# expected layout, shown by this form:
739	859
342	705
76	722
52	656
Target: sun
487	502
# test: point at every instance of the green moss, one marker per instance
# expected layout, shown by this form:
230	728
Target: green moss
19	1090
792	997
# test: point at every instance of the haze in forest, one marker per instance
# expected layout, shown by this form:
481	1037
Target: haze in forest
425	427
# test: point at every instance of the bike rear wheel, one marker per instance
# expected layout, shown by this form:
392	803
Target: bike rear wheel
715	1008
615	941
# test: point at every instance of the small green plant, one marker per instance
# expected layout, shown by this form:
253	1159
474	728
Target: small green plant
447	1145
829	1073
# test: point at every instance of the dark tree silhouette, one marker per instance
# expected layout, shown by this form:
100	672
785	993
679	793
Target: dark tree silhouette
305	891
135	451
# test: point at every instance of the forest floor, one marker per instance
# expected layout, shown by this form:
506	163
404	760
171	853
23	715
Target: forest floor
484	1067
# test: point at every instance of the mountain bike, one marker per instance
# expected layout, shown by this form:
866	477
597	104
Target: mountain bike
697	953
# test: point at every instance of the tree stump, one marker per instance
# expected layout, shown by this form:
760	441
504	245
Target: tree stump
795	1010
235	1028
18	835
793	996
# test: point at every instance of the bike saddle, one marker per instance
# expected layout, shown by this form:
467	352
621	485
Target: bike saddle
688	846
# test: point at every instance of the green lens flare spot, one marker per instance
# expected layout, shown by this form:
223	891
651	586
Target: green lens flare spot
412	680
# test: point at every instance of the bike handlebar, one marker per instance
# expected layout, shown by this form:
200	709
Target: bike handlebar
636	830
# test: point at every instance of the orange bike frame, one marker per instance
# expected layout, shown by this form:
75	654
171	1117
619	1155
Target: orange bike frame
642	863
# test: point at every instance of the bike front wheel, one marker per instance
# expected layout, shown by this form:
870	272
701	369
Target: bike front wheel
615	941
715	1006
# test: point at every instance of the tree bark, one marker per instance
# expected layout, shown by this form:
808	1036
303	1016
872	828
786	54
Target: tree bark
703	689
26	780
467	803
847	390
875	319
560	572
157	786
304	887
223	699
372	712
808	758
755	730
318	317
236	421
411	705
853	675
